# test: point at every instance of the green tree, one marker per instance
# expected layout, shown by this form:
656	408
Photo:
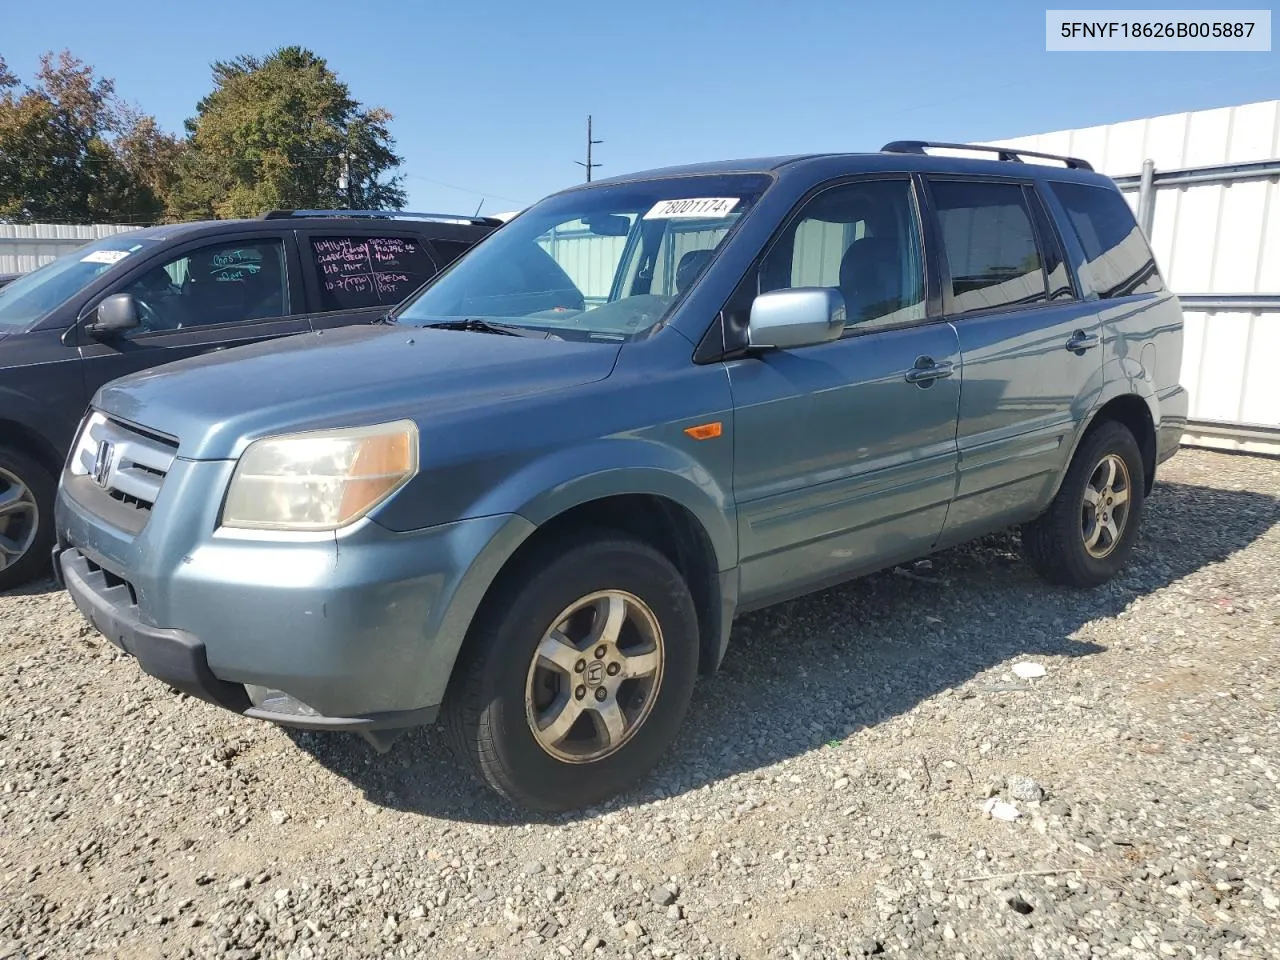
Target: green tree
72	152
284	131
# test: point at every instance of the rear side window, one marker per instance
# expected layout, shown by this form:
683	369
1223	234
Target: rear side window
450	250
359	272
1120	261
989	244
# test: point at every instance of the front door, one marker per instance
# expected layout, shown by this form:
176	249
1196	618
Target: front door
209	297
1031	349
845	453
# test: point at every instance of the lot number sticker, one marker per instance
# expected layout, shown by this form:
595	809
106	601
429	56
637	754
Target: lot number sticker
105	256
703	207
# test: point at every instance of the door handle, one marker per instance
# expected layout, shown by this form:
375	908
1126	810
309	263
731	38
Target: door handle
1081	341
926	371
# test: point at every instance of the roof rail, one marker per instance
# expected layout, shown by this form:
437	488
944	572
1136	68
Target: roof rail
1014	154
381	215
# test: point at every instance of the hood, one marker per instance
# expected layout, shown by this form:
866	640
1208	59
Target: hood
217	403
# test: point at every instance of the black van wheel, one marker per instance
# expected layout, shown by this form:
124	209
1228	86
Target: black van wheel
1087	535
578	673
26	518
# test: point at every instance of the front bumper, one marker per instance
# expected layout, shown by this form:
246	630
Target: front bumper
355	632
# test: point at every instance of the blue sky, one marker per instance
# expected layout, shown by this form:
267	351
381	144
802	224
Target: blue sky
491	98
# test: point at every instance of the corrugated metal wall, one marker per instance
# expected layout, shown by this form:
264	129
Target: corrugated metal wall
1208	238
23	247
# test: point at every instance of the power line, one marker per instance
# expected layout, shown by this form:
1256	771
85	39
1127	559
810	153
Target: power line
454	186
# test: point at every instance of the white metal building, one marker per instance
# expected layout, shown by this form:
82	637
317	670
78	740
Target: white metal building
1213	216
23	247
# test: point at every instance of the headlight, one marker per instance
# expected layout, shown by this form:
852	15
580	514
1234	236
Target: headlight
321	480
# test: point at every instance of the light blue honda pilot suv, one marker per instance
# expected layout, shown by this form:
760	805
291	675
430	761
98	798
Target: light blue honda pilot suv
533	501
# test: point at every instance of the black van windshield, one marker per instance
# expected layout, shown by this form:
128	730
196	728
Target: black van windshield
608	262
30	297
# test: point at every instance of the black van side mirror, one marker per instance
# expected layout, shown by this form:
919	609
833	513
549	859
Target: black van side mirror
116	314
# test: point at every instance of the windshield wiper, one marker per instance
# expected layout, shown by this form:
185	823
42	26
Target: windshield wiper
484	326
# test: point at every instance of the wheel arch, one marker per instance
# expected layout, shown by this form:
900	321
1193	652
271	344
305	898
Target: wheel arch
26	439
665	524
1137	411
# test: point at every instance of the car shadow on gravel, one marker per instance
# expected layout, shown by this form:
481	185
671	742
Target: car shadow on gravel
36	588
804	673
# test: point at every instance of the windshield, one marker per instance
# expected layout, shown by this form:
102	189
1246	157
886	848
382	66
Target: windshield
30	297
603	263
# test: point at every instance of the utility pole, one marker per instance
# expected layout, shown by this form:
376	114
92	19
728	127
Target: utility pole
590	143
344	177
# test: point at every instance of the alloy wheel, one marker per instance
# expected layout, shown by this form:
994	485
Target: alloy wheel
19	518
594	677
1105	508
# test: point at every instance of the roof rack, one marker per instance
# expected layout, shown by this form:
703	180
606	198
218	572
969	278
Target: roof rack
381	215
1014	154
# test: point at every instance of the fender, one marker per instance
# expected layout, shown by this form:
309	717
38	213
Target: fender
550	485
34	421
1129	380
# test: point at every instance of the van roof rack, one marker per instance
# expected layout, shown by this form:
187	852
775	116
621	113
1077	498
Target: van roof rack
382	215
1014	154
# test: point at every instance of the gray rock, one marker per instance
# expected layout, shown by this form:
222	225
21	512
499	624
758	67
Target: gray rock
1024	789
662	896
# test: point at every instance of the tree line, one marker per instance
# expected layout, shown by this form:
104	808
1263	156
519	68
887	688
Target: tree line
280	131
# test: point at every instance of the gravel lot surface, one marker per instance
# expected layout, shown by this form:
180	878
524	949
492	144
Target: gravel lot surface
826	799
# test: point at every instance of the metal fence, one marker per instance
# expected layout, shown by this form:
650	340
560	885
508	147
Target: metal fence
23	247
1205	186
1230	337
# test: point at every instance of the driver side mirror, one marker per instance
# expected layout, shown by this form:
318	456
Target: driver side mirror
116	314
798	317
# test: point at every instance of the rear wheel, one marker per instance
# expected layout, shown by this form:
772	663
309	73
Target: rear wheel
26	517
1087	534
577	675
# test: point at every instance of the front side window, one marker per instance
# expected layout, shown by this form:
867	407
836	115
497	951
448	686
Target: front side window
31	296
862	239
355	272
1120	260
989	244
607	262
219	283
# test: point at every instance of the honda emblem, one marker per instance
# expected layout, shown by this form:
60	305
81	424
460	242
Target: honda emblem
102	463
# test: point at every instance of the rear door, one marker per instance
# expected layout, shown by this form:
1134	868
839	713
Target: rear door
207	295
355	275
1030	345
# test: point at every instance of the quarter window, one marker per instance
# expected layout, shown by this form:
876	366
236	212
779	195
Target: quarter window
989	244
861	239
221	283
360	272
1120	261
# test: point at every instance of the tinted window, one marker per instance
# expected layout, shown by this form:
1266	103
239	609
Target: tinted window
450	250
1055	264
1119	258
220	283
861	239
357	272
989	244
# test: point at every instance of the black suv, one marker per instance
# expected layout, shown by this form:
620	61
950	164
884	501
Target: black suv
147	297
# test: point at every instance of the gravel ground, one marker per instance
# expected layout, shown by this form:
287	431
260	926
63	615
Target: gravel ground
826	799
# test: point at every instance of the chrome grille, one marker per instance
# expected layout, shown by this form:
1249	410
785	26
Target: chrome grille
128	464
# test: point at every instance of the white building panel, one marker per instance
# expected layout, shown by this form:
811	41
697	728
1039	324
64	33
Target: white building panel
1211	238
23	247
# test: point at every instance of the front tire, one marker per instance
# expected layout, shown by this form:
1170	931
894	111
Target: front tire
1087	535
577	674
26	518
